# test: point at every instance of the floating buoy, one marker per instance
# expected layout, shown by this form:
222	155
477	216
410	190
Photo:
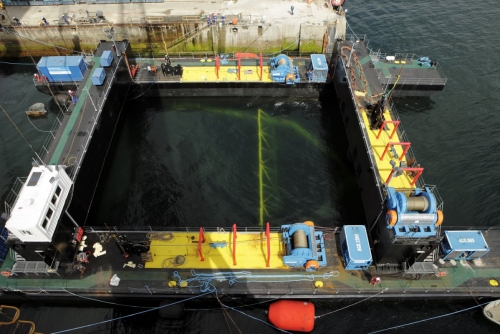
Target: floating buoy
37	109
174	311
293	315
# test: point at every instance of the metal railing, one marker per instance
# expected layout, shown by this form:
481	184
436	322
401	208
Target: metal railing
13	194
98	105
364	131
262	289
411	81
51	136
415	81
152	229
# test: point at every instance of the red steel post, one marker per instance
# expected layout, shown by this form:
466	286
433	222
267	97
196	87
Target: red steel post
234	244
405	150
396	125
217	66
268	236
239	67
261	66
201	239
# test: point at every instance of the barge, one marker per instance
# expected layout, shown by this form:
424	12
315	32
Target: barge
403	243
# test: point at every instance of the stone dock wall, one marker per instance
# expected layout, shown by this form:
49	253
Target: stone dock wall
155	40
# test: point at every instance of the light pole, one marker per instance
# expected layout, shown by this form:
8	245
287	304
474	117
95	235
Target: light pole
110	33
350	54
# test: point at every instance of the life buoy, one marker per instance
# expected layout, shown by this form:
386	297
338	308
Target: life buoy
289	77
6	273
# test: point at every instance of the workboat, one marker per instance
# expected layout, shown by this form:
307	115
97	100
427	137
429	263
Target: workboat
492	311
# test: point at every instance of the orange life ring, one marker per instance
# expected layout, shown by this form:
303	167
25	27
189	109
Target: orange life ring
392	215
289	76
6	273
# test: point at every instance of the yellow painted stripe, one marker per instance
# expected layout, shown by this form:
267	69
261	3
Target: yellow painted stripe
207	74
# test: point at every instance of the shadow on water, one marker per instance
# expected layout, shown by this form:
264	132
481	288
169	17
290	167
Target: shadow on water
345	196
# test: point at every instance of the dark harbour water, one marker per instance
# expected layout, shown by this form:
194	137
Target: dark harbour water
455	134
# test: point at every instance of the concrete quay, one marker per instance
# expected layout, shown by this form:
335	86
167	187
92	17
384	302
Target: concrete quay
317	12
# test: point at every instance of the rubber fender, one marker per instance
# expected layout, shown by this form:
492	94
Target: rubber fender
440	217
292	315
392	217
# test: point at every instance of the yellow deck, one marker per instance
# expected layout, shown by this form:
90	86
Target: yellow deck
207	73
251	251
378	146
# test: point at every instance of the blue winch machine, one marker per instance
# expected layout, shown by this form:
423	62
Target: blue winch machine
413	216
355	247
304	247
282	70
463	245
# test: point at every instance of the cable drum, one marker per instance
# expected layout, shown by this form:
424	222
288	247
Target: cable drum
282	61
418	218
162	236
299	239
418	203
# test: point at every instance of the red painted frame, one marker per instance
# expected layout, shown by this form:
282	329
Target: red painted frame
396	126
419	171
406	148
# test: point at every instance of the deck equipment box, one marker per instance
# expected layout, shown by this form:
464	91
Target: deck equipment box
463	245
106	58
62	68
98	76
355	247
319	68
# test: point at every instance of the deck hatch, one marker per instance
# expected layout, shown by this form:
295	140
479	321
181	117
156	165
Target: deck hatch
33	181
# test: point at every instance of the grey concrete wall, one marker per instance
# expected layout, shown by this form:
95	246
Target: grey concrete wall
154	40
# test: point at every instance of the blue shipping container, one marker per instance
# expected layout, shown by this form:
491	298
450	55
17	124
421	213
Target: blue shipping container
62	68
355	247
98	76
463	245
106	58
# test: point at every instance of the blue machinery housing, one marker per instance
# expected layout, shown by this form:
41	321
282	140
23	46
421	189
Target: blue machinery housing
304	247
62	68
355	247
463	245
282	70
318	71
413	216
106	58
